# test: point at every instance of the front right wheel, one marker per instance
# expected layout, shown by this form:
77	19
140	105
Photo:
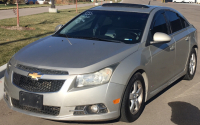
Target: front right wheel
134	99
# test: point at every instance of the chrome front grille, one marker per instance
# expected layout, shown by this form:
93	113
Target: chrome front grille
40	85
42	71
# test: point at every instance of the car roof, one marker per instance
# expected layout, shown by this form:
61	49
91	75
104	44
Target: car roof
126	7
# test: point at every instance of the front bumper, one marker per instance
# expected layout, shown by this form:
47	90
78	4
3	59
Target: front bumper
68	97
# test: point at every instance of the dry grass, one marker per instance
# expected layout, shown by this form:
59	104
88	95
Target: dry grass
44	24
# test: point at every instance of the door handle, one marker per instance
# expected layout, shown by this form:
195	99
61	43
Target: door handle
187	38
172	48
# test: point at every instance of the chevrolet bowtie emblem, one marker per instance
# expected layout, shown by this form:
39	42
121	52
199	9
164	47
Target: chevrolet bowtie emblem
34	75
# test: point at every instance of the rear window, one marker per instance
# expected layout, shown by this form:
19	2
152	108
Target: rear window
183	22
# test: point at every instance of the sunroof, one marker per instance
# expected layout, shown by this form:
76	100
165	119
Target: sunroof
124	5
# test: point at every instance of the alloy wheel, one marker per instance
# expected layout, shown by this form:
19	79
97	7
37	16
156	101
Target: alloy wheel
135	97
192	64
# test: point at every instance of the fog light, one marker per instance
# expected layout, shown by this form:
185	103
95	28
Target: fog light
94	108
90	109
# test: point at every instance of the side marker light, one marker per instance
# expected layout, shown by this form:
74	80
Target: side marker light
116	101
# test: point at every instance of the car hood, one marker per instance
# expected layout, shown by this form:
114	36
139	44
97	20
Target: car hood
67	54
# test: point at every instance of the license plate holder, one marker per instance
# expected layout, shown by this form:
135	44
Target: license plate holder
31	100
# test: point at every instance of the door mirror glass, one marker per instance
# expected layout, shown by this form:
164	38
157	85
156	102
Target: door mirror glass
58	27
159	37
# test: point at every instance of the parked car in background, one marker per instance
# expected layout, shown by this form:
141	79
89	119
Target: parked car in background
28	1
178	1
41	1
184	1
103	64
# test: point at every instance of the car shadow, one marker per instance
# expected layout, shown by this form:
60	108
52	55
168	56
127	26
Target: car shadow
93	122
184	113
162	46
164	90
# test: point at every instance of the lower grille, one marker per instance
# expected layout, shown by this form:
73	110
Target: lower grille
40	85
48	110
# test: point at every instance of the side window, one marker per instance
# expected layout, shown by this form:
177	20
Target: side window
183	22
174	21
159	25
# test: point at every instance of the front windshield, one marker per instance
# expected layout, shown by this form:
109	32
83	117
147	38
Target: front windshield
125	27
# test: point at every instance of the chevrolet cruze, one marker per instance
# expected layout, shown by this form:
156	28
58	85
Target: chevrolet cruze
103	64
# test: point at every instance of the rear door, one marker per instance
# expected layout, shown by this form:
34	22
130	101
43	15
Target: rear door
180	34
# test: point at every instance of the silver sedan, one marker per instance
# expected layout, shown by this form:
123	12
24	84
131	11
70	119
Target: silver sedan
103	64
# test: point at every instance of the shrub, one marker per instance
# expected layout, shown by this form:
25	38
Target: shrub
5	1
36	2
21	1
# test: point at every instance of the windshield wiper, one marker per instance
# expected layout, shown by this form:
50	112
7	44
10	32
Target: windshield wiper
66	36
90	38
63	35
101	39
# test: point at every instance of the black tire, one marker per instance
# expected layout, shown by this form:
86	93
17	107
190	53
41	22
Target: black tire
188	75
126	115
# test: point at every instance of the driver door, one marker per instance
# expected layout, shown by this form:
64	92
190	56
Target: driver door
162	54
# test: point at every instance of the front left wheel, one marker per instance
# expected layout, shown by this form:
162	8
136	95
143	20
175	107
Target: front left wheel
133	102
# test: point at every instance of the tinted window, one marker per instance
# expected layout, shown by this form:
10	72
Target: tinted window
174	21
183	22
159	25
126	27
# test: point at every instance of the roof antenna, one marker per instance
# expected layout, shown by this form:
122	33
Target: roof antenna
149	2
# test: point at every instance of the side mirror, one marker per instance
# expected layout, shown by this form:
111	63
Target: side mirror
159	37
58	27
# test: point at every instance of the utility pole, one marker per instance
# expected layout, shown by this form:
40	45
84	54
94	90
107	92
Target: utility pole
17	14
76	6
52	4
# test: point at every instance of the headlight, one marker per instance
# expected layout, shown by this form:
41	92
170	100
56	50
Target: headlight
97	78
